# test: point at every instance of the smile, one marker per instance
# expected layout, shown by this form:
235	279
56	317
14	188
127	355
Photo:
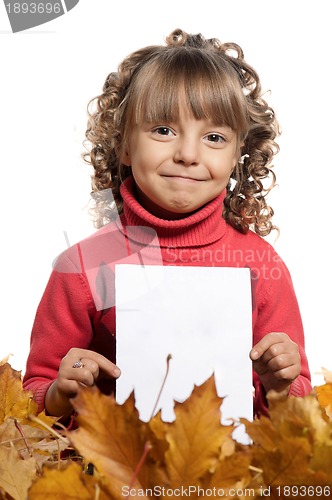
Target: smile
181	178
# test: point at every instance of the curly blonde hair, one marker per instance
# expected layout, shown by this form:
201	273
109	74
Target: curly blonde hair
219	85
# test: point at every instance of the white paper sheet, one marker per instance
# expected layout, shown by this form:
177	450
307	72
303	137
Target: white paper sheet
202	316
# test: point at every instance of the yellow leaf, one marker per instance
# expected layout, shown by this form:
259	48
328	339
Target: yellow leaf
5	360
14	401
302	417
287	446
9	434
324	395
16	474
41	421
327	375
231	472
111	436
321	460
30	441
195	437
66	484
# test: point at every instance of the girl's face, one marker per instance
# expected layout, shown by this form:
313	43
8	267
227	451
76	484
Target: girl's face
179	167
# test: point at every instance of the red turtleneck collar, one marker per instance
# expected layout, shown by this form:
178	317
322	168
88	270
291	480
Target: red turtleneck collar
201	228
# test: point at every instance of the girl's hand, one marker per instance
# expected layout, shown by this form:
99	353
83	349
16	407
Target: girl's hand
70	378
276	360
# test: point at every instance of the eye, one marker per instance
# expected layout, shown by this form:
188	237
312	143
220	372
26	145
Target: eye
165	131
215	138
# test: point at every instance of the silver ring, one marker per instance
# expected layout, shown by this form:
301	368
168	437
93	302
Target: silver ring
78	364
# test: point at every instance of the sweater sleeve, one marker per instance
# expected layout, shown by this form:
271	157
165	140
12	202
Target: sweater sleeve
62	321
278	311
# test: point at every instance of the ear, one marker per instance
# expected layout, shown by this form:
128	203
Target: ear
123	155
125	158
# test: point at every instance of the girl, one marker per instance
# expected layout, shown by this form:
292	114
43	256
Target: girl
183	139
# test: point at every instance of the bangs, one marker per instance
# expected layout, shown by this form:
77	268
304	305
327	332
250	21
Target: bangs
208	83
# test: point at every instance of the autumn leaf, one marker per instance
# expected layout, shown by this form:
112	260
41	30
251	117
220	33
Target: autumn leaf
195	437
24	444
287	446
291	447
5	360
324	396
68	483
231	473
111	436
14	402
324	393
16	474
327	374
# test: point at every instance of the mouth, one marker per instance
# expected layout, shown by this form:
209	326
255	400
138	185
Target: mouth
183	178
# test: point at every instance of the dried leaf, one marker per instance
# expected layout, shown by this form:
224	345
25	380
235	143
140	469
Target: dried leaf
292	447
327	375
41	421
5	360
14	402
324	395
68	483
16	475
232	473
10	435
110	436
20	439
287	446
195	437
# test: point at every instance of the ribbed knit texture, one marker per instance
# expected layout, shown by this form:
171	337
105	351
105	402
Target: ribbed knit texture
68	316
202	228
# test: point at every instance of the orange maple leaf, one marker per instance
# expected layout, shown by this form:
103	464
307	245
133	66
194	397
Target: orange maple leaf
14	402
24	445
195	438
111	436
288	445
324	396
232	472
70	482
16	475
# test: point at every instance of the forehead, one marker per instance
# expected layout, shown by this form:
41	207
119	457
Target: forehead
205	87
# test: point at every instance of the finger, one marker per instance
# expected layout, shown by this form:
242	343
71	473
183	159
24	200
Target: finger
67	387
79	375
288	374
279	351
83	376
282	362
103	363
92	366
266	343
260	368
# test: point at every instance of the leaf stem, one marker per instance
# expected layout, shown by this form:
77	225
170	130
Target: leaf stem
169	357
97	492
21	431
52	431
147	448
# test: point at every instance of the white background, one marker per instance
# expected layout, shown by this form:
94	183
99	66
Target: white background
48	75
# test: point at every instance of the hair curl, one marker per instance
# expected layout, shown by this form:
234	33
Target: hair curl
218	85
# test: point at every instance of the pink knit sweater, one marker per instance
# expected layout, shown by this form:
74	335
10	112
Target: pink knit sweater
77	307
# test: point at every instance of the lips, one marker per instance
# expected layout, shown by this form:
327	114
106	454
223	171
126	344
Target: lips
183	178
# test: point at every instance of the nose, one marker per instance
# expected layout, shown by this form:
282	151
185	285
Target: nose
186	151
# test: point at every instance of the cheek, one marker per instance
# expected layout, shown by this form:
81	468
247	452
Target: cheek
223	171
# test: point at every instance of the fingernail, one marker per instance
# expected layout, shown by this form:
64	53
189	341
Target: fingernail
254	355
116	372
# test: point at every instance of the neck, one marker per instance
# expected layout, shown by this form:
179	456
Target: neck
203	227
